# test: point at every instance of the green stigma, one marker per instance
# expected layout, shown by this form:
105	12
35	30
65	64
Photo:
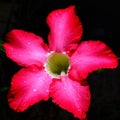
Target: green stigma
57	64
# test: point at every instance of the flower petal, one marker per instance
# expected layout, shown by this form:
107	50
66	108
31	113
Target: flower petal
90	56
29	86
25	48
65	28
71	96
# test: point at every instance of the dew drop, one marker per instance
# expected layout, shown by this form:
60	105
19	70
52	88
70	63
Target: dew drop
24	81
34	90
57	14
47	91
74	84
76	61
59	26
28	43
78	110
38	75
65	88
20	55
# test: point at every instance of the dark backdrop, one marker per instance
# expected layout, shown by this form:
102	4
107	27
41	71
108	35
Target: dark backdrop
100	20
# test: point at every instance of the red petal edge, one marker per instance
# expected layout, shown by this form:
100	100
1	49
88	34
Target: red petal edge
65	28
29	86
90	56
71	96
25	48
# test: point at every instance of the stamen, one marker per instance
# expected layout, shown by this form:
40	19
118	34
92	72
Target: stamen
57	64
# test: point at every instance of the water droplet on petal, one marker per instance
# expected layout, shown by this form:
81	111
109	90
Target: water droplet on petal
24	81
65	88
38	75
20	55
28	43
47	91
34	90
57	14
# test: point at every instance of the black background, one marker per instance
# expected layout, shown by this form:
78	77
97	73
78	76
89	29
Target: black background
100	20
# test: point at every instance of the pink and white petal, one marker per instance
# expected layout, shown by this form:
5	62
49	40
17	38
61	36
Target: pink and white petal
65	28
71	96
25	48
90	56
29	86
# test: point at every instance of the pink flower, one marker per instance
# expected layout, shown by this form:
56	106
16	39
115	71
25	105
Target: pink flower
58	70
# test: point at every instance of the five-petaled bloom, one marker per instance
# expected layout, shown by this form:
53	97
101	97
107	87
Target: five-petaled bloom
58	70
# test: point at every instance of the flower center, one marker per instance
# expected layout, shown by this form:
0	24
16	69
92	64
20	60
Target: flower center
57	64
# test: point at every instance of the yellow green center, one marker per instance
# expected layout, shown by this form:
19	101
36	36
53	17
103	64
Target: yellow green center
57	64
